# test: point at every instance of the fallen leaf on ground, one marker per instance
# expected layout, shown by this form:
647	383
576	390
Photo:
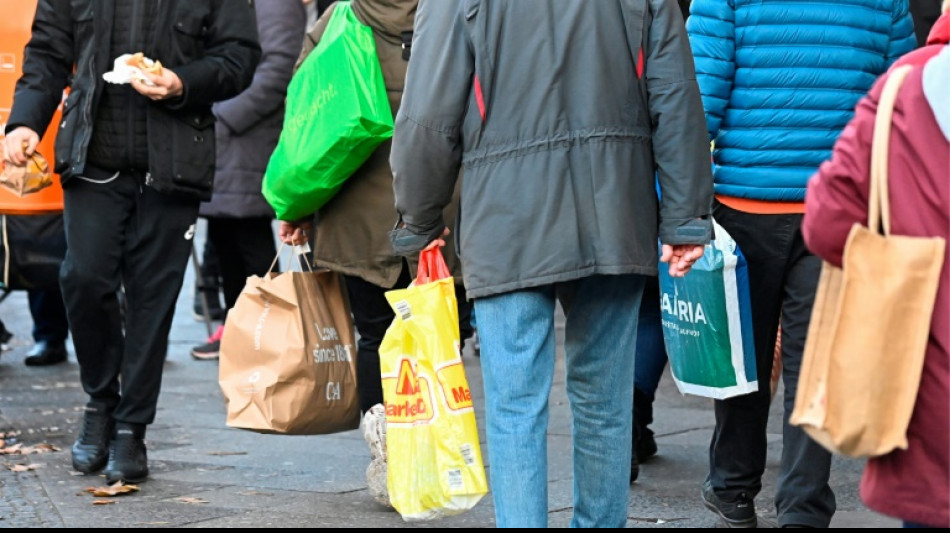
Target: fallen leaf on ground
15	449
116	489
45	448
191	500
255	493
23	468
227	453
103	502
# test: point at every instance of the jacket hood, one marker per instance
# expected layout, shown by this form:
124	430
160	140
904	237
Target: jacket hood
936	79
389	18
940	33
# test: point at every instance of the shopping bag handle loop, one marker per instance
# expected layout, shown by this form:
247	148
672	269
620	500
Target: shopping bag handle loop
432	266
303	264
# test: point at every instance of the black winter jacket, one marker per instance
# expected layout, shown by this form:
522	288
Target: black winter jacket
212	45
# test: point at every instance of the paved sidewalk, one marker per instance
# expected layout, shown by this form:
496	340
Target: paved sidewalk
205	474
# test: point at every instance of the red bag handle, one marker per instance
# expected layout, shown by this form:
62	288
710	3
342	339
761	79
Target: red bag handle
432	266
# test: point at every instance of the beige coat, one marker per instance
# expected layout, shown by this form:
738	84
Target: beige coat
352	229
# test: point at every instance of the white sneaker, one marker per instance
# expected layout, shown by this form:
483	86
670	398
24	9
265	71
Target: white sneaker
374	431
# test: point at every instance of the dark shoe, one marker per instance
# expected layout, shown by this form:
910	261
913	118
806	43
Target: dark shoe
211	349
5	338
644	444
739	513
45	354
128	461
91	449
634	468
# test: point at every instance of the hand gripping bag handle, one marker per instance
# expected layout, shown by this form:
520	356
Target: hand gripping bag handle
432	266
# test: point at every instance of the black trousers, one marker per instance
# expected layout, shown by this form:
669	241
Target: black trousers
372	316
244	247
783	277
50	324
122	231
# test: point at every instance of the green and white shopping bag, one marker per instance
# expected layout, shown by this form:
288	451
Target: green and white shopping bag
707	323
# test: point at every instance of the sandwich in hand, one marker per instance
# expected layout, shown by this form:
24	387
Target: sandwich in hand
145	64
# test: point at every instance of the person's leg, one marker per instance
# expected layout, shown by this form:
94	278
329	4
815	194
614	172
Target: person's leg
651	361
372	316
737	450
254	239
803	496
50	327
465	307
208	283
49	316
156	254
599	358
245	247
95	219
517	335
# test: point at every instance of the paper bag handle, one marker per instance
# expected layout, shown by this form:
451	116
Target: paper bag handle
432	266
879	209
303	264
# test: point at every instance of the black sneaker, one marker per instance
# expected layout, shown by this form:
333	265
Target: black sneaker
634	468
739	513
128	461
91	449
644	443
211	349
46	354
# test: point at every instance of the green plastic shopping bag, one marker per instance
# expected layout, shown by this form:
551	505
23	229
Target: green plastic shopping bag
337	113
707	323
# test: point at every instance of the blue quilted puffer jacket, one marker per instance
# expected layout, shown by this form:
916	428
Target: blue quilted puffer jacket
780	79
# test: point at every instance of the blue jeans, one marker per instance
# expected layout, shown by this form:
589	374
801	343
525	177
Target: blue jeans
518	352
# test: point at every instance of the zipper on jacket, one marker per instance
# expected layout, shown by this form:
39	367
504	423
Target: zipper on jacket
130	117
87	115
6	255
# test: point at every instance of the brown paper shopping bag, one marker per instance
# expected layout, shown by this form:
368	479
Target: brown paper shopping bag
32	177
869	327
288	357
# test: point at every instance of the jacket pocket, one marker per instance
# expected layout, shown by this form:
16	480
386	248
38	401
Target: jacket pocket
190	29
193	150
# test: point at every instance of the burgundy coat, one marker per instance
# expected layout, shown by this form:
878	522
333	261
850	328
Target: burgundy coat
912	484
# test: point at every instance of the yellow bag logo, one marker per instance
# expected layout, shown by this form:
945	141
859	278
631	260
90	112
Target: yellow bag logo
454	385
412	396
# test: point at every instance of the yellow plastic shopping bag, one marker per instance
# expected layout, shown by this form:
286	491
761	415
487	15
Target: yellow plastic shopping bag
435	466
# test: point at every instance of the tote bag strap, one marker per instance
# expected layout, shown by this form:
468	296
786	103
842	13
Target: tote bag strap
879	213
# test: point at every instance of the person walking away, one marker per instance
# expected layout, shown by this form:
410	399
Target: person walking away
650	359
913	484
558	204
246	132
779	82
351	230
135	162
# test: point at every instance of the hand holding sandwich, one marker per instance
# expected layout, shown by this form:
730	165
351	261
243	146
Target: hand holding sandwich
165	84
159	84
